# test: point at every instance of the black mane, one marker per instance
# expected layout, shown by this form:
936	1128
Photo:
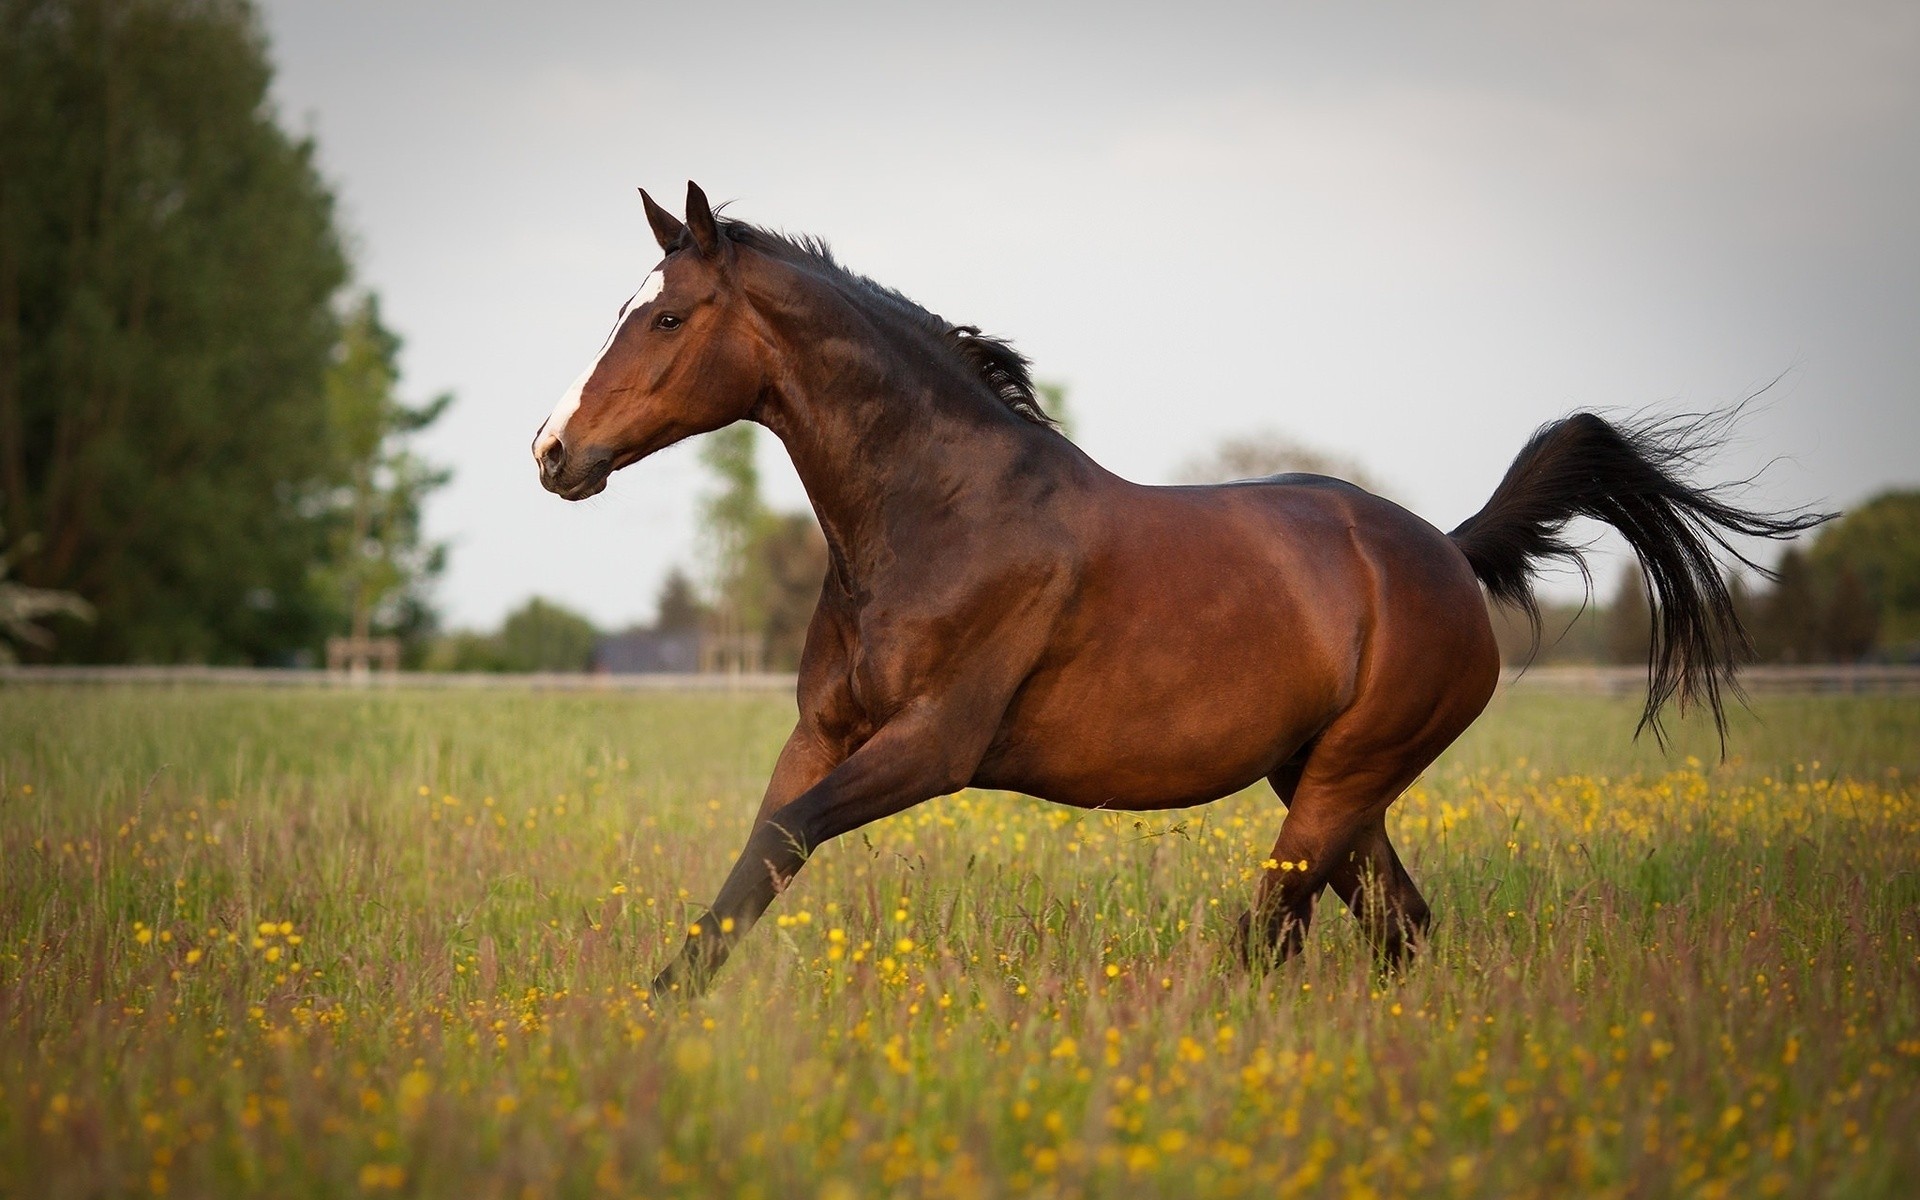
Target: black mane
993	360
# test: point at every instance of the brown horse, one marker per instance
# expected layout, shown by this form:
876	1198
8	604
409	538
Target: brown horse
1002	612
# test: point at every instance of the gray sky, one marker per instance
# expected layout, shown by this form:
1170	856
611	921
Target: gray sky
1401	234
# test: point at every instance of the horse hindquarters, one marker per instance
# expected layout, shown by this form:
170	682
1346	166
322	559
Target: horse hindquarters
1427	670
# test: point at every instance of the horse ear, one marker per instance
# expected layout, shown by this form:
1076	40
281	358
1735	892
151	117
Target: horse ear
667	230
700	223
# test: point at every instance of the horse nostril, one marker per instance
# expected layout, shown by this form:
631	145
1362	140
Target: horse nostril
552	455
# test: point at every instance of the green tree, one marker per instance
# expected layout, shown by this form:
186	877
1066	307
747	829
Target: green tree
1569	633
1053	402
790	556
1788	629
767	565
168	258
379	564
543	636
1630	620
1852	626
678	609
733	519
1747	607
467	650
1880	543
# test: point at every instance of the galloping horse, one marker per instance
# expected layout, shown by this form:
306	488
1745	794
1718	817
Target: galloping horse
1002	612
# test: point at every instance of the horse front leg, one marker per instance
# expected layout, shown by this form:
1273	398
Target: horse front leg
903	764
805	760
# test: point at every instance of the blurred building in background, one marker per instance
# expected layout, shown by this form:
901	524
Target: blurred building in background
647	652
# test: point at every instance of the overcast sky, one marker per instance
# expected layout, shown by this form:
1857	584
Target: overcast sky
1402	234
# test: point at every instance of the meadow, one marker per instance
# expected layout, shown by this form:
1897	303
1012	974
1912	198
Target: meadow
323	944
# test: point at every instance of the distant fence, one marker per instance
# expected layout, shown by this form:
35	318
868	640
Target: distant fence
273	677
1856	680
1604	681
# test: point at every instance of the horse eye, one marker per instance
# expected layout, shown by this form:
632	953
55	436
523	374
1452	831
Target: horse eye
666	321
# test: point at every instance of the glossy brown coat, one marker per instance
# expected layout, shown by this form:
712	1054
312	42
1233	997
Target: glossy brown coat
1000	611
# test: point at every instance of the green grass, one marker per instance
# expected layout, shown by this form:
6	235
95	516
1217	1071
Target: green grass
1650	976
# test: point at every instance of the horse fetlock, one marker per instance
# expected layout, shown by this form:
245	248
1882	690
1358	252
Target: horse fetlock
709	942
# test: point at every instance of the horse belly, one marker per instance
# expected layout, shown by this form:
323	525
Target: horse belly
1171	699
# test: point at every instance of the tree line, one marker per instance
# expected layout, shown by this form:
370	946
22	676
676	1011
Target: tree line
202	447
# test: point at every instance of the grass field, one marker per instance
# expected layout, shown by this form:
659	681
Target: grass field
326	944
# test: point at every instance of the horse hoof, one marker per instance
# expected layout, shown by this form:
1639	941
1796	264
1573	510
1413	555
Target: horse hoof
668	986
680	982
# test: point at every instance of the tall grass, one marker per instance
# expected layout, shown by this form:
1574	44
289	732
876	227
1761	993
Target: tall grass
326	944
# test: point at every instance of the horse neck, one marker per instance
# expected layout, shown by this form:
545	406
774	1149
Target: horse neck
880	431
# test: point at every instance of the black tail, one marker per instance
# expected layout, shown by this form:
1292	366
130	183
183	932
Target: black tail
1630	477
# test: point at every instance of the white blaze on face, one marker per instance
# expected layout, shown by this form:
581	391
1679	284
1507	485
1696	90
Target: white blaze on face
556	423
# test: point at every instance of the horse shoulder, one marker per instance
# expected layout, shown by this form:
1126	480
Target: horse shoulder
970	621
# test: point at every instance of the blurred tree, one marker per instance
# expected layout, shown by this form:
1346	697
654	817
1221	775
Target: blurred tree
1788	626
767	566
379	564
1746	606
1569	633
1053	402
1257	455
542	636
1852	626
1630	620
167	261
679	609
732	520
791	555
1880	543
466	650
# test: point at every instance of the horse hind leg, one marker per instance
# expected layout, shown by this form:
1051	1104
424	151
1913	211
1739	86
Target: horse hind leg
1301	866
1375	885
1314	836
1334	835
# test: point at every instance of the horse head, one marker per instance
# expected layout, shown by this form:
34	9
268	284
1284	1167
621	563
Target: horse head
682	359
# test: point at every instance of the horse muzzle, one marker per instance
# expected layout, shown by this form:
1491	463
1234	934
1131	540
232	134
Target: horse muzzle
573	476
